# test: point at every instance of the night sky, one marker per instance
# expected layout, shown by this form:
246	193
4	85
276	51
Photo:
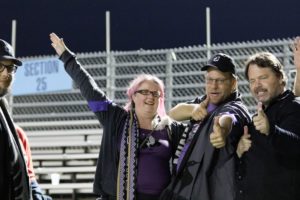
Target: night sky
146	24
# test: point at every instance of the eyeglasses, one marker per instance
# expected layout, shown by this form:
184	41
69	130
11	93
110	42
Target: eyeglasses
217	81
155	94
11	69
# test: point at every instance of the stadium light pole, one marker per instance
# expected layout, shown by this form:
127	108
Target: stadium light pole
107	24
108	57
208	32
13	44
13	34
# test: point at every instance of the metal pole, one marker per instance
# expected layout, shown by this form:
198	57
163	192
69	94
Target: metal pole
107	20
13	34
13	44
108	60
208	32
171	56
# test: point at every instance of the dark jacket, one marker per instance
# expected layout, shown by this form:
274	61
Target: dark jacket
206	172
14	180
270	170
112	120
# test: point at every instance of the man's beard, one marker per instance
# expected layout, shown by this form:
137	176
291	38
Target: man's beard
4	91
6	86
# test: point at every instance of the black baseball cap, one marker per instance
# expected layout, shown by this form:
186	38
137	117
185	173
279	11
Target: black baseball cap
222	62
7	53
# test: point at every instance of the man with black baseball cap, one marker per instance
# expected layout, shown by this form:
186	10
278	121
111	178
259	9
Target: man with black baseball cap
14	181
204	167
222	62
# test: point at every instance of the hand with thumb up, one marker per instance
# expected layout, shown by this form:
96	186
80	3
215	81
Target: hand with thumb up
221	128
244	143
261	121
200	111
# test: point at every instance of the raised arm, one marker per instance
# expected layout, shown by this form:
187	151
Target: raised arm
98	102
296	49
80	76
185	111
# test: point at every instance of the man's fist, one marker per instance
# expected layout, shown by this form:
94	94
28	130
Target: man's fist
261	121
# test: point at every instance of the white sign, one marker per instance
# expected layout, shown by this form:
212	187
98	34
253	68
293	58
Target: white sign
39	76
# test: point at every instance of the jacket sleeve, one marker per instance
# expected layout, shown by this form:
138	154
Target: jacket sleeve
81	77
285	131
241	118
37	192
26	151
104	108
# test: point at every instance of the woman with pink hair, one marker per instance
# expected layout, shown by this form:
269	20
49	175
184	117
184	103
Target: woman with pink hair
135	151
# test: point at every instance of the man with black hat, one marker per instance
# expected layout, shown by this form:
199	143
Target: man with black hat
14	181
205	165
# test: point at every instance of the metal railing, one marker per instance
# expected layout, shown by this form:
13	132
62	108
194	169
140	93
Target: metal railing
179	68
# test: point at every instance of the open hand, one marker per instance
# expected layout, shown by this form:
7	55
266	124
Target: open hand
58	44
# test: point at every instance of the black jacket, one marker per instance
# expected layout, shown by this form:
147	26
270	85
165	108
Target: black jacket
270	170
112	120
206	172
14	180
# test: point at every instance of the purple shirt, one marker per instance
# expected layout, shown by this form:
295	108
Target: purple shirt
153	163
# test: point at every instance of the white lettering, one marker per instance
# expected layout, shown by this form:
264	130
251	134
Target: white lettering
41	68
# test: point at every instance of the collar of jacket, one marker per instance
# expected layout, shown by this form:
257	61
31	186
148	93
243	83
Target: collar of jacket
287	94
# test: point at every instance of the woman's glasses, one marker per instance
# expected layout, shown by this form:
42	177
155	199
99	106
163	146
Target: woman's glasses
155	94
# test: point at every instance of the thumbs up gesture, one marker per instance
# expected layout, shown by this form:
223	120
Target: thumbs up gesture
261	121
244	143
221	128
200	111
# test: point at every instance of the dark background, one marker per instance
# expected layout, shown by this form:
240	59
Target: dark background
147	24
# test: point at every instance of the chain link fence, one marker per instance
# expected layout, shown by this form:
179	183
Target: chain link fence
179	68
